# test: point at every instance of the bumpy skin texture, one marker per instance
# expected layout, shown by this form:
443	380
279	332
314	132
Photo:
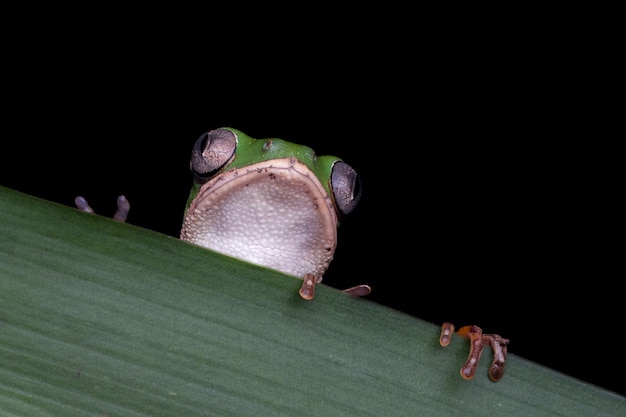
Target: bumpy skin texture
272	213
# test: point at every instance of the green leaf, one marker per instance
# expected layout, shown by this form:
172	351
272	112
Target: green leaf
99	318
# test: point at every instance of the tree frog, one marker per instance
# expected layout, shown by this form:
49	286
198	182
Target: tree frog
270	202
267	201
278	204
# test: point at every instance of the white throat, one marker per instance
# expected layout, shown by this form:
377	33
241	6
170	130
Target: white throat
274	213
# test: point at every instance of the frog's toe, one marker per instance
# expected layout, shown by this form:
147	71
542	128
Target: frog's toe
82	204
121	213
475	335
359	290
307	290
447	329
123	207
499	347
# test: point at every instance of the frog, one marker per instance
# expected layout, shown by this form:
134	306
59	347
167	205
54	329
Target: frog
270	202
278	204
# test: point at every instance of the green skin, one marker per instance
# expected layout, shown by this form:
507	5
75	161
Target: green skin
251	151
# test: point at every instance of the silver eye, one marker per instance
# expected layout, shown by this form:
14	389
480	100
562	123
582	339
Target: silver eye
212	151
346	186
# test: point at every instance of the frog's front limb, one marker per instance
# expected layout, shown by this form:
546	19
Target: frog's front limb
477	341
307	290
121	213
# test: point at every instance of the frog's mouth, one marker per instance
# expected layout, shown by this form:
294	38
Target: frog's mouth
273	213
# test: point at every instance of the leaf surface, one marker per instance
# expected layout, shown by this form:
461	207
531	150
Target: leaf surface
99	318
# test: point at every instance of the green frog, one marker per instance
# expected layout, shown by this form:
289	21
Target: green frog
270	202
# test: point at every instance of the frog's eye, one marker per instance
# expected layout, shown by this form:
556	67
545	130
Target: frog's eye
212	151
346	186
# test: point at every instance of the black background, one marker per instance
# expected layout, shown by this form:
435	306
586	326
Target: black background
484	199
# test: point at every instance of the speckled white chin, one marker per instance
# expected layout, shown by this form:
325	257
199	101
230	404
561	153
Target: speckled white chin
274	213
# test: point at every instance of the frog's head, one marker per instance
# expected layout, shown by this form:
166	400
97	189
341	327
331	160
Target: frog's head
224	149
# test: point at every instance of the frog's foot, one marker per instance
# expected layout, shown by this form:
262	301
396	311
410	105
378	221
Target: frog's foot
307	290
121	213
477	342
